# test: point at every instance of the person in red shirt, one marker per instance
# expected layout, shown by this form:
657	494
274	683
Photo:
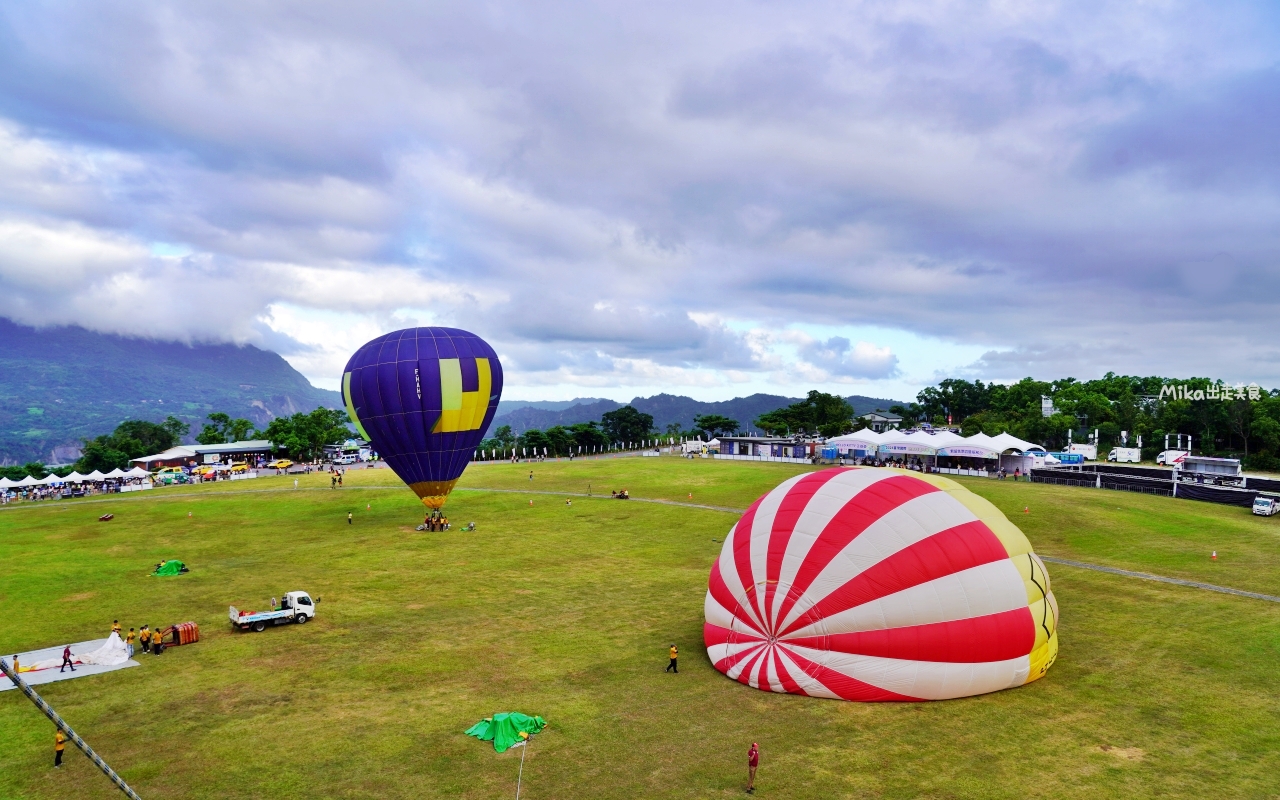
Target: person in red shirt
753	761
66	659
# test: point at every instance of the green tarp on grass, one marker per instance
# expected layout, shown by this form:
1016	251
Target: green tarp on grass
504	729
171	567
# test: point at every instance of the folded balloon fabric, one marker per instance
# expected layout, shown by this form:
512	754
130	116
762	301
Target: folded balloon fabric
505	729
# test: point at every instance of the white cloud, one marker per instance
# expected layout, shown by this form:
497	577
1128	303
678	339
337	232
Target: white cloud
713	197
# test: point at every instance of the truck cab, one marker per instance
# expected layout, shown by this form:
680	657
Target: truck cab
1266	506
299	603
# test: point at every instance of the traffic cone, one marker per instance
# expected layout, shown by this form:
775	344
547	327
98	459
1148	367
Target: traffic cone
530	502
1215	555
690	495
1026	509
368	506
188	513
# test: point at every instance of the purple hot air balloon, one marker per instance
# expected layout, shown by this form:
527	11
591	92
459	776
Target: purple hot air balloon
424	397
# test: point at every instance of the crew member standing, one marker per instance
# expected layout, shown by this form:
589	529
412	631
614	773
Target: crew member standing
59	742
349	518
128	641
753	761
675	653
115	627
144	636
66	659
156	639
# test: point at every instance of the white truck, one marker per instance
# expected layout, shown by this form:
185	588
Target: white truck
1089	451
1266	506
1170	457
1125	455
294	607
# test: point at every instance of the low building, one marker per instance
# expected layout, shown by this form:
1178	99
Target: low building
765	448
881	421
190	455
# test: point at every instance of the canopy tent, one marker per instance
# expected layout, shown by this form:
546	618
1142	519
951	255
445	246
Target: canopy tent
1007	442
864	441
27	481
50	479
115	473
96	476
171	567
505	729
137	472
74	477
5	483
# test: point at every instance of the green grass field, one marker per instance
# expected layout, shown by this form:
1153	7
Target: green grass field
566	611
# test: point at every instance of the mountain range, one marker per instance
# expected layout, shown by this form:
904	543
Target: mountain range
61	385
665	408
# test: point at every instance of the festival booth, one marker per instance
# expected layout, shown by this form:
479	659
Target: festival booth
859	444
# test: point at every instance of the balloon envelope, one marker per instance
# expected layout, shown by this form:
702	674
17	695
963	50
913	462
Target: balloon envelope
424	397
877	584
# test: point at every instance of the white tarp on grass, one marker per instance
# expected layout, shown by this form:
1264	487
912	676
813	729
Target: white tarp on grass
90	658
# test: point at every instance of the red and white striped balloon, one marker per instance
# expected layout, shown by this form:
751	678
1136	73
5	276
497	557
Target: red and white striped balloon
877	584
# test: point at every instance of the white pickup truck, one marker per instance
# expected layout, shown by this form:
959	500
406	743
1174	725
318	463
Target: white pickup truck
294	607
1266	506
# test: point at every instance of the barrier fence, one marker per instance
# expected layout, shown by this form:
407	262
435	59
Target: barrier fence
1133	480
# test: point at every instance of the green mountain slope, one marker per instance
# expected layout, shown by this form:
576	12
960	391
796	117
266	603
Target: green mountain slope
61	385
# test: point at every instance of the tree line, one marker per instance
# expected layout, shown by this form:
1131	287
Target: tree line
301	437
1224	419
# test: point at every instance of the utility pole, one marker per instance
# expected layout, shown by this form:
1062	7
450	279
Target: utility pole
62	725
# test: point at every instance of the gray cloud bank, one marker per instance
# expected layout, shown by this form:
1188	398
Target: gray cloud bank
606	190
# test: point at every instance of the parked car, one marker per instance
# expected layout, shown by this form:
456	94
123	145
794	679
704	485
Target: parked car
282	463
239	467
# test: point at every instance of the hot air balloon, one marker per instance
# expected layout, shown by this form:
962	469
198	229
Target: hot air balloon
876	584
424	397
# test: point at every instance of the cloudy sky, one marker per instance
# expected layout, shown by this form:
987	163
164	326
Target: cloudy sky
624	198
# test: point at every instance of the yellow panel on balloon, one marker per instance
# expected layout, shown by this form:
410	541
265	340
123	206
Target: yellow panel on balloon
459	410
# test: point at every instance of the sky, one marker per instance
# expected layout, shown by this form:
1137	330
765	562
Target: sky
709	199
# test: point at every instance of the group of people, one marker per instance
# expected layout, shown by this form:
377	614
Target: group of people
622	495
436	522
152	641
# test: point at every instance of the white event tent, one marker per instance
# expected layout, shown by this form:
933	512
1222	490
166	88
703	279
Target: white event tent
1007	450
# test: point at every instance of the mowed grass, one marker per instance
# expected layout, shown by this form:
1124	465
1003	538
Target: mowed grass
566	611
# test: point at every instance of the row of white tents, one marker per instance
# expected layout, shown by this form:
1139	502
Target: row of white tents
93	477
934	443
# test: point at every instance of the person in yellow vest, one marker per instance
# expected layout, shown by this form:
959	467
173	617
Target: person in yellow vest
115	627
59	743
675	653
144	636
156	639
129	639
